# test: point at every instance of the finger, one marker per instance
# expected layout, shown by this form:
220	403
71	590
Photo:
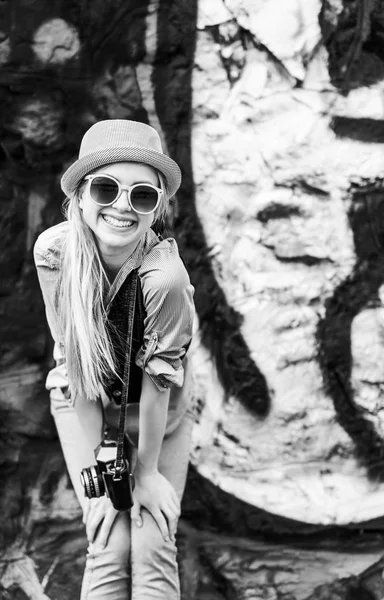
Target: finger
175	497
105	529
172	527
136	514
170	508
161	523
172	519
86	510
176	505
95	517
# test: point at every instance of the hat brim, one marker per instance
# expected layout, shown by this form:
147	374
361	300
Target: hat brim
81	167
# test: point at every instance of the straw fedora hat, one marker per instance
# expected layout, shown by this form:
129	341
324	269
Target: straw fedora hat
119	140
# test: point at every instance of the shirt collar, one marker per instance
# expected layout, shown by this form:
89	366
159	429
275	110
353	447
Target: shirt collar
133	262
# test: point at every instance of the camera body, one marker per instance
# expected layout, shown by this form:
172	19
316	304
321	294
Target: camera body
102	478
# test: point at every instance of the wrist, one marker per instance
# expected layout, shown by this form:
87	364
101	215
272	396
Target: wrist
145	469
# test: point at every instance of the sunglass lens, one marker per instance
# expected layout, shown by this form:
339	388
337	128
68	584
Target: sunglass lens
103	190
144	198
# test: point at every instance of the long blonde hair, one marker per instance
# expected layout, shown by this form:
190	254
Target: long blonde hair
83	284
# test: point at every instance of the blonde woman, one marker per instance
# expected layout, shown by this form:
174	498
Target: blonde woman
117	191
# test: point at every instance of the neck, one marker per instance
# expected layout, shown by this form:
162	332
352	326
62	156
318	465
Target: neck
114	260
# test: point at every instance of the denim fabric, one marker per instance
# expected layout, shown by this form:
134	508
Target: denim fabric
137	564
117	324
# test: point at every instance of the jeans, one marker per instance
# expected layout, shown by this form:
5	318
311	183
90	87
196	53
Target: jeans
136	564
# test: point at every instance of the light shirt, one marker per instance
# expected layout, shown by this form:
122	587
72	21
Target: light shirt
167	297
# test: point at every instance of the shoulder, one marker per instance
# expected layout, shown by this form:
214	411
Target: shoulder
48	245
163	268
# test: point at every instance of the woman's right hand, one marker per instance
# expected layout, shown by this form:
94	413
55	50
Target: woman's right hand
98	517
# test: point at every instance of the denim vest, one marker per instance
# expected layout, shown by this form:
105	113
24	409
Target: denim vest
118	327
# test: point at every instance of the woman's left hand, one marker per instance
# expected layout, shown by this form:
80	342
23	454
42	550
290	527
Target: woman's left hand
155	493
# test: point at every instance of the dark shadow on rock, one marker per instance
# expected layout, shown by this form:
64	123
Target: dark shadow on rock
357	292
361	130
220	324
359	592
208	508
342	589
352	32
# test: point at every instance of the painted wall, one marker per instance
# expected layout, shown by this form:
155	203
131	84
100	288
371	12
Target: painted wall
274	110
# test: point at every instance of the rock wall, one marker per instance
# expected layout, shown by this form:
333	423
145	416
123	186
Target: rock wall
289	196
274	111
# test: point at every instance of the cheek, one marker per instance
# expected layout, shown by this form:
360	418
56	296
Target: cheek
88	208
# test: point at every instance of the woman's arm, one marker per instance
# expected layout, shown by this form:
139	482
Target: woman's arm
153	491
168	300
153	418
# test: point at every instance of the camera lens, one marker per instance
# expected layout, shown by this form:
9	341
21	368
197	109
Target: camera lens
92	482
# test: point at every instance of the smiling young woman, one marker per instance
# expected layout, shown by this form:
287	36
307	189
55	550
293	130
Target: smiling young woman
88	266
117	226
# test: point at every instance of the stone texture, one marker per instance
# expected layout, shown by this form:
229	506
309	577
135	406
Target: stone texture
274	112
274	196
117	92
55	42
289	30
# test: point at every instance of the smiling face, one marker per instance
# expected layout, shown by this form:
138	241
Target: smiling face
118	228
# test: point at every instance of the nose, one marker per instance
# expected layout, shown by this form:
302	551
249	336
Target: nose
122	203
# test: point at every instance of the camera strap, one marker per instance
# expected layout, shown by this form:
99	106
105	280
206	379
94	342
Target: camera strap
131	301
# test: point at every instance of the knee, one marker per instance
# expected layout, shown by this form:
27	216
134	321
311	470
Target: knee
117	551
148	544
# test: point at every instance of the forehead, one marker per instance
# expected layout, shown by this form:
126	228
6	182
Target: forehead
130	172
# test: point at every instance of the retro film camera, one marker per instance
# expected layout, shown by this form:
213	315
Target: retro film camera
103	478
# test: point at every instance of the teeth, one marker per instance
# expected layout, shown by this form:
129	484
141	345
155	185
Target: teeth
117	222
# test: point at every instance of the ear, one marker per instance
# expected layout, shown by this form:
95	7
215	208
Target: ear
81	203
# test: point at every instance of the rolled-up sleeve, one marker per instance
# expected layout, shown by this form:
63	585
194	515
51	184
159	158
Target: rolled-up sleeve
46	257
168	300
48	275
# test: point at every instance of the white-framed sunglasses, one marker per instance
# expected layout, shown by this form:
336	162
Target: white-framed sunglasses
104	190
